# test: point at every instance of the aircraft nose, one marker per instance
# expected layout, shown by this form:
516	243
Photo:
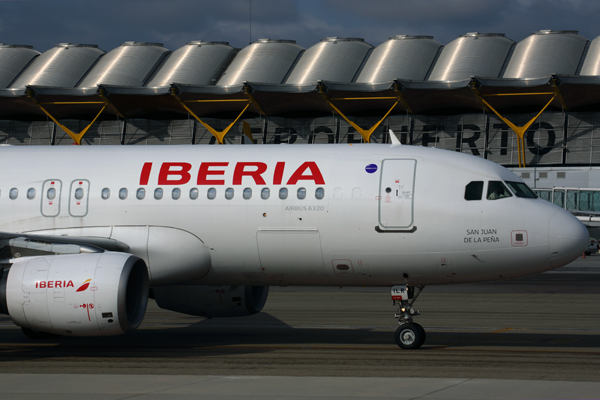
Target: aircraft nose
568	238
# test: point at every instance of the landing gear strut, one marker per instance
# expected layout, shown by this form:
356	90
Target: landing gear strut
409	334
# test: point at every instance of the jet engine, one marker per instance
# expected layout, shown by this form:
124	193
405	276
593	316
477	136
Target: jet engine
212	301
96	294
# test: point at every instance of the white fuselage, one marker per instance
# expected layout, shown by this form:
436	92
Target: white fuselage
422	232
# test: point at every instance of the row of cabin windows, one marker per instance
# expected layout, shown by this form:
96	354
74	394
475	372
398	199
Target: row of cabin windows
211	193
497	190
50	194
31	193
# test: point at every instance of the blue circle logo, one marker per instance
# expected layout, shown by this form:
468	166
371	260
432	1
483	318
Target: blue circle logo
371	168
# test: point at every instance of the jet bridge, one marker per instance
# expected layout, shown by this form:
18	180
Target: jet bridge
584	203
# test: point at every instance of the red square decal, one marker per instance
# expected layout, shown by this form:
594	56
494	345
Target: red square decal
519	238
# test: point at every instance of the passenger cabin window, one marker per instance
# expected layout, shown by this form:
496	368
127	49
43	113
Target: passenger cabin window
283	193
320	193
497	190
176	194
51	194
79	193
474	191
265	193
105	193
123	193
229	193
211	193
140	194
31	193
194	192
247	194
13	194
301	193
158	193
521	190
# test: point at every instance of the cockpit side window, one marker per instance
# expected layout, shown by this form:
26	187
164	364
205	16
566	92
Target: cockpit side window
497	190
474	190
521	190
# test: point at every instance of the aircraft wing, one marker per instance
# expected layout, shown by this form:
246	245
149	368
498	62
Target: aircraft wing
15	245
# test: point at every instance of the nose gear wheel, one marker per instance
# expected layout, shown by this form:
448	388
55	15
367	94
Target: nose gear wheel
409	335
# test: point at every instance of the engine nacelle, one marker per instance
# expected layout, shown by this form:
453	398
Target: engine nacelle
212	301
97	294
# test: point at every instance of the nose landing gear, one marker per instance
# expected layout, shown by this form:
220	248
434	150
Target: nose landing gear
409	334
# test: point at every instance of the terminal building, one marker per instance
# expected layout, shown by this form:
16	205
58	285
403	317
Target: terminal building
532	105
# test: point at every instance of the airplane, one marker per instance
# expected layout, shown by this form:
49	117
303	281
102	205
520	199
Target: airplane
89	233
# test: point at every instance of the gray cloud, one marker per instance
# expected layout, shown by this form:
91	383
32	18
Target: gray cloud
448	19
109	23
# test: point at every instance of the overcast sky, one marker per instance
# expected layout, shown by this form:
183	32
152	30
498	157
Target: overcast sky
107	23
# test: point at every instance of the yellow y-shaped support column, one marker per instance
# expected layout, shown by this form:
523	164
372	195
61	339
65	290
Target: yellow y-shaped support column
75	136
217	134
519	130
365	133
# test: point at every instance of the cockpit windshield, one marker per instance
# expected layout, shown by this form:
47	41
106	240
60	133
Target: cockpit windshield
497	190
521	190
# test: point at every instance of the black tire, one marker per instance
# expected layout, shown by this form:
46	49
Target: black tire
423	333
410	336
38	335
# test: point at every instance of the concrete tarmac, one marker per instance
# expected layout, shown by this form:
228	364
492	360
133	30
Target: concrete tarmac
183	387
544	329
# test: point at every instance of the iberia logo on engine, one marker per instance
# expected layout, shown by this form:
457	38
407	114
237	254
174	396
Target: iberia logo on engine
85	285
61	284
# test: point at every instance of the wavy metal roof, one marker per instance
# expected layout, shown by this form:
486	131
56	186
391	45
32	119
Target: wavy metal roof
130	64
472	54
591	64
13	59
282	77
400	57
64	65
332	59
196	63
544	53
265	61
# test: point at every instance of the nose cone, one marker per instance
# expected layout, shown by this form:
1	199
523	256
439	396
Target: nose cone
568	238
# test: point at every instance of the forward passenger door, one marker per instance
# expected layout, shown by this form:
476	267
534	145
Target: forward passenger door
396	194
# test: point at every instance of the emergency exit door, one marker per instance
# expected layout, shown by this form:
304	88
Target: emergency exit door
78	198
396	194
51	198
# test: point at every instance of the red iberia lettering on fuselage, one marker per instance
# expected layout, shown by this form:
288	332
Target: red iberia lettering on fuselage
53	284
213	173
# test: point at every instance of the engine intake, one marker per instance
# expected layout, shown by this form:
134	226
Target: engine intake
97	294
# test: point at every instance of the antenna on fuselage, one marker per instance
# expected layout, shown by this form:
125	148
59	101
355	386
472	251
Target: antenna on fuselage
395	141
